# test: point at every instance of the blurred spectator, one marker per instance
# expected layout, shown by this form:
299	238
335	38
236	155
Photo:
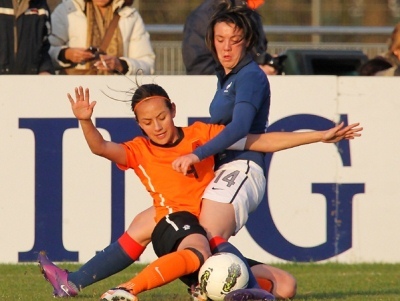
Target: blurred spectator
197	57
373	66
24	44
387	64
393	54
78	39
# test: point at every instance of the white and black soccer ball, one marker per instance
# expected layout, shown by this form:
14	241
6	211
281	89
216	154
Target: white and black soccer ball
221	274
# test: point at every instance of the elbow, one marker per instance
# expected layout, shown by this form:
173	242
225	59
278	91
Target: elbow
97	151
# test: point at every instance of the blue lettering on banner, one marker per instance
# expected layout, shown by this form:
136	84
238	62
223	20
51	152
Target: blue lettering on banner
48	134
338	199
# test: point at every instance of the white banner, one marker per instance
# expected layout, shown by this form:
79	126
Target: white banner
324	202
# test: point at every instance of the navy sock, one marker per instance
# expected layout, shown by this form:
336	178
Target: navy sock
104	264
224	246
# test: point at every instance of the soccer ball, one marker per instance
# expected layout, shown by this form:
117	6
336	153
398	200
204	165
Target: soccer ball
221	274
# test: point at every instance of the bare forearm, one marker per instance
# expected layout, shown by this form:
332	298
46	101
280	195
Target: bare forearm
93	137
276	141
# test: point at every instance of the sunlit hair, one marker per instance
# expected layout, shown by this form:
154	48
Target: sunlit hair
394	41
241	16
142	92
147	91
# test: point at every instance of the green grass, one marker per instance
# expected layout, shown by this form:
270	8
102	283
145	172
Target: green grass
315	282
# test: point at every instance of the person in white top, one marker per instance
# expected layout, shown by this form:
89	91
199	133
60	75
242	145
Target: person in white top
77	38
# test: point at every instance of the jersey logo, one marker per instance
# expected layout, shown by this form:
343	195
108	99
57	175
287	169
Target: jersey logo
227	87
186	227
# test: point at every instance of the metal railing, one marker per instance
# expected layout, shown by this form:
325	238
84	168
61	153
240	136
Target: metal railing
169	56
296	30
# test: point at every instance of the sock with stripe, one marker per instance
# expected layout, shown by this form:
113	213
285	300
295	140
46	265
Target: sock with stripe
219	244
113	259
265	283
164	270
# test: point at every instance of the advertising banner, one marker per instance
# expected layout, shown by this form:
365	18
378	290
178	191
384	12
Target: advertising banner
323	202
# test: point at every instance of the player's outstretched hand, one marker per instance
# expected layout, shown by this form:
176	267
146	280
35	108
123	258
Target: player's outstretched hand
81	106
340	132
182	164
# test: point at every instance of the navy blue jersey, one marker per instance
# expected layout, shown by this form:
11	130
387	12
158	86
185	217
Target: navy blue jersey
241	102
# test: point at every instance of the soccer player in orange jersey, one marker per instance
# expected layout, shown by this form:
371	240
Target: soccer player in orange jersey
176	197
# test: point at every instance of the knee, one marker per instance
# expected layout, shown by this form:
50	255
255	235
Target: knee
201	253
204	252
286	288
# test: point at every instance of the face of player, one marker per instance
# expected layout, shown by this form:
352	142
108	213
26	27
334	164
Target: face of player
156	120
230	45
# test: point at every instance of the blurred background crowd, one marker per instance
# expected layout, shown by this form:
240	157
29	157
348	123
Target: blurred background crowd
314	31
288	24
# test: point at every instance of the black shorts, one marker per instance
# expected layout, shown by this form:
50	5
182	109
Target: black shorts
170	231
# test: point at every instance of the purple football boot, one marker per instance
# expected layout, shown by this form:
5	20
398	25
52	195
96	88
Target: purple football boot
57	277
249	294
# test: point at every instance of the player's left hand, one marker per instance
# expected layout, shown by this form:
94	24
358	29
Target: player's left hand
183	163
340	132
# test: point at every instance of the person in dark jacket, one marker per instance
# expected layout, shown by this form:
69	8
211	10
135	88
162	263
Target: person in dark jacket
24	44
197	57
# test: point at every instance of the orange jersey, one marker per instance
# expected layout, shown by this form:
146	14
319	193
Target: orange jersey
171	190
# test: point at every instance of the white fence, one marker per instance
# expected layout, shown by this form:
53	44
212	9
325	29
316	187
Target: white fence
324	202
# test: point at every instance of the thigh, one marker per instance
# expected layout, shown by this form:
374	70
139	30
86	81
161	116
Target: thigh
142	226
218	219
240	183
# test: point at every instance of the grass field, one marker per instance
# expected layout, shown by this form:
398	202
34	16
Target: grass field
315	282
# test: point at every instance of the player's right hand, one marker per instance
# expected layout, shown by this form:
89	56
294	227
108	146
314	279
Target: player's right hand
81	106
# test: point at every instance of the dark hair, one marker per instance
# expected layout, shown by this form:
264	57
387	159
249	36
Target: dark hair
241	16
148	90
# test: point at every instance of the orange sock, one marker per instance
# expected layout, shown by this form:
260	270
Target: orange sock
164	270
265	284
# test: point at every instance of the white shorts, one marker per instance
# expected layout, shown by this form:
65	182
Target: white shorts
240	183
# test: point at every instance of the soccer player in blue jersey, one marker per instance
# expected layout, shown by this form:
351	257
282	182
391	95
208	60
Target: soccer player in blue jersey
241	102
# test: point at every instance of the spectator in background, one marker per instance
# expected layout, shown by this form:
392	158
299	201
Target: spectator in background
387	64
24	44
79	39
393	54
197	57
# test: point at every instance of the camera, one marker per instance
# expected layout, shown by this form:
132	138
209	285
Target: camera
96	51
